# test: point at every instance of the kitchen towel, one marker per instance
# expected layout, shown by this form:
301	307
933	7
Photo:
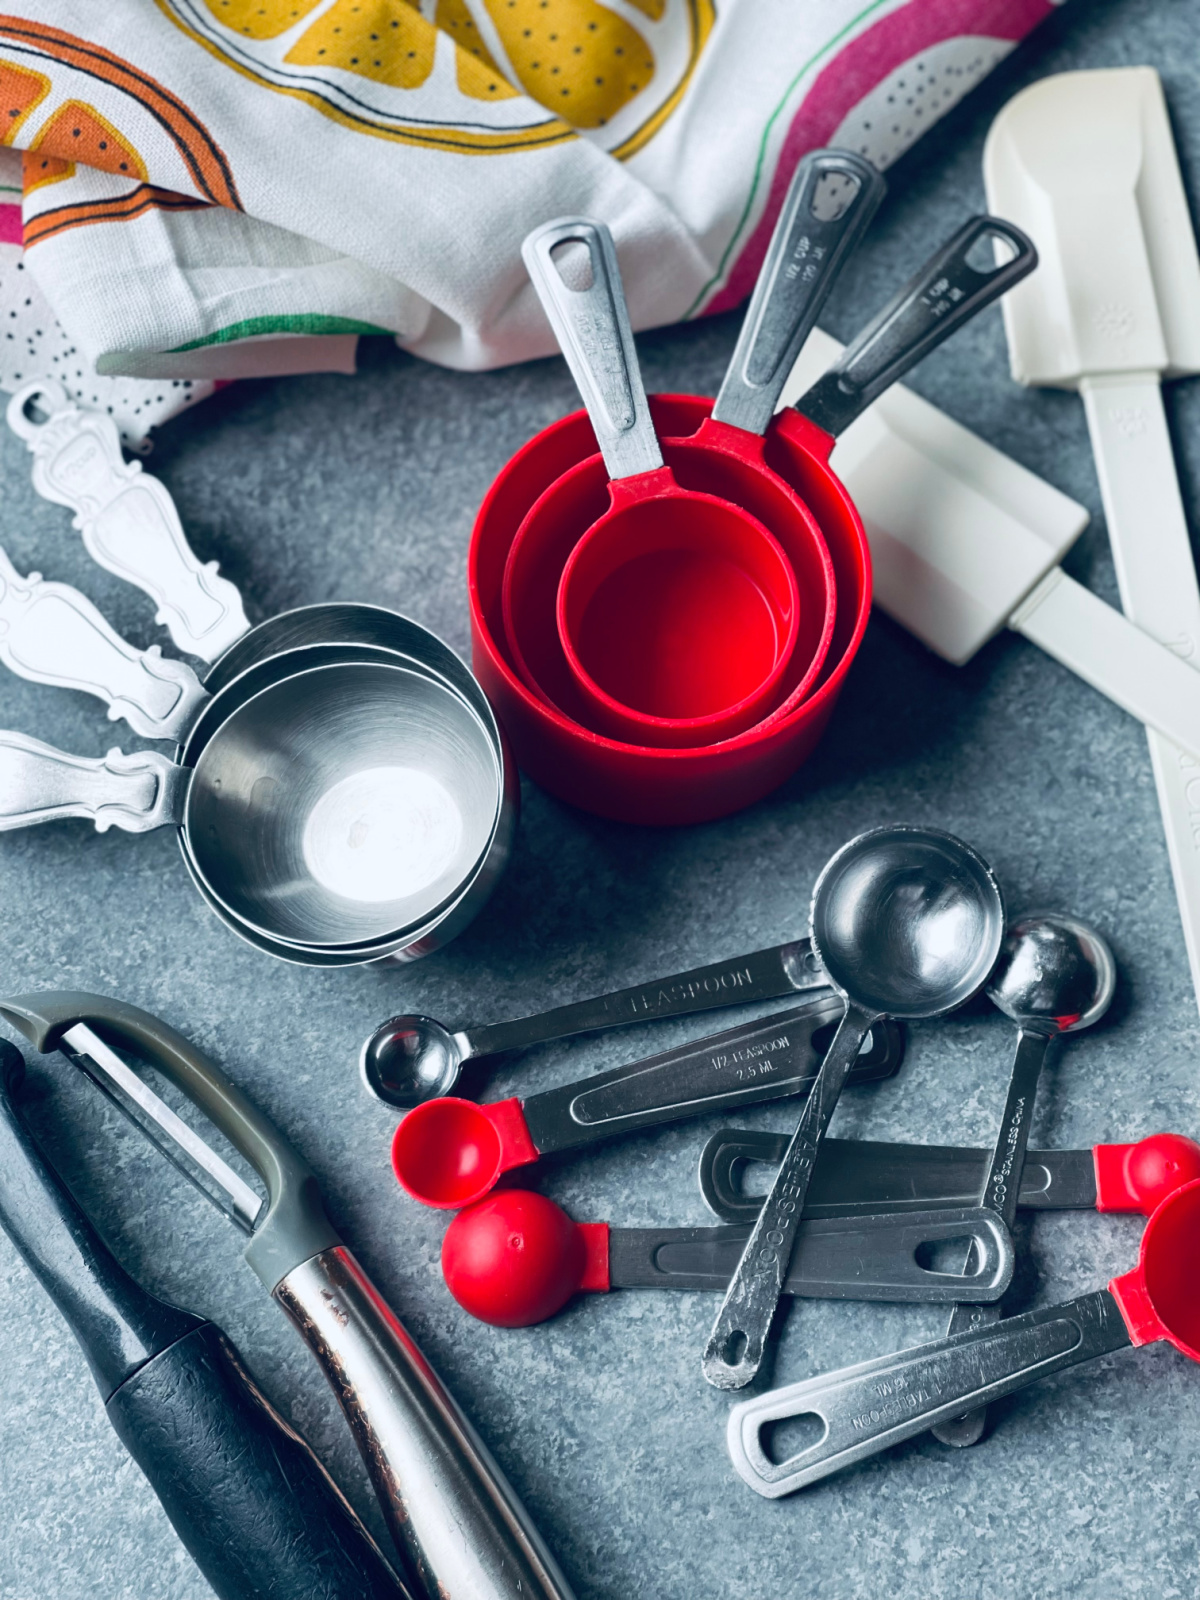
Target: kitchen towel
214	183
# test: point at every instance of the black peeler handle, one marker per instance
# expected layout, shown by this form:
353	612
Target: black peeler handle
254	1507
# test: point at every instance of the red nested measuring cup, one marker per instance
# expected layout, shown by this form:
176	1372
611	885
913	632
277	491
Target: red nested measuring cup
690	609
878	1403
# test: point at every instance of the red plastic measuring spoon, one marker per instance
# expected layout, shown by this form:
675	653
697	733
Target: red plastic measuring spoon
866	1408
692	608
516	1258
449	1152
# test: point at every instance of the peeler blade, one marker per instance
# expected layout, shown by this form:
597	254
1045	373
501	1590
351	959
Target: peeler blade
183	1147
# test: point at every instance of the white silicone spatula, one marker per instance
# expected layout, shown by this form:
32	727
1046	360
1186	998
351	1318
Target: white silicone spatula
966	541
1086	164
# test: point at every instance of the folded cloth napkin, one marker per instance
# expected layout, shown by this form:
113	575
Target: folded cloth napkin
204	176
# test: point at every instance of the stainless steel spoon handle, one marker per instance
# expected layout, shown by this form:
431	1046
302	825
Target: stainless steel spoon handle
593	331
50	633
876	1404
38	783
1001	1189
446	1502
771	974
738	1339
128	520
832	197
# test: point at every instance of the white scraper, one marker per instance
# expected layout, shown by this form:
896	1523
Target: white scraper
966	541
1085	163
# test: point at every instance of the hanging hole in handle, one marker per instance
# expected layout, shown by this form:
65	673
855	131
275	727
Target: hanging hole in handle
833	195
33	412
734	1348
787	1439
955	1258
822	1038
572	260
990	252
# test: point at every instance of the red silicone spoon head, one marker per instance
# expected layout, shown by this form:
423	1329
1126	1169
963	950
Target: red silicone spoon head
678	614
514	1259
447	1153
1160	1298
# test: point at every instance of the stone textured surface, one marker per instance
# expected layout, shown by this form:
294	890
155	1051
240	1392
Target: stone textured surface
331	487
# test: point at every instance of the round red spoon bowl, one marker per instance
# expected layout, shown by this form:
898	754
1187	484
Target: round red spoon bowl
516	1258
1160	1298
618	779
676	625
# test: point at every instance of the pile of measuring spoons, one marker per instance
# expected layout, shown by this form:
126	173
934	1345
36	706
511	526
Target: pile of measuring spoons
906	923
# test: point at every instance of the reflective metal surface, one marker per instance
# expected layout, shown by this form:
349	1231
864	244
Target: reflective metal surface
343	803
446	1502
1055	975
410	1059
907	922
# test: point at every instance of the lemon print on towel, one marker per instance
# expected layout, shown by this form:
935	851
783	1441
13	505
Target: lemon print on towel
575	57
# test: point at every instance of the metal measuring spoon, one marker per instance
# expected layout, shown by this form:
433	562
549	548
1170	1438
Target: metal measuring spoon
1055	975
411	1059
907	923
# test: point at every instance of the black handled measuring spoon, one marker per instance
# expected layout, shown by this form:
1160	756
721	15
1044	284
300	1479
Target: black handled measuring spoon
448	1153
861	1177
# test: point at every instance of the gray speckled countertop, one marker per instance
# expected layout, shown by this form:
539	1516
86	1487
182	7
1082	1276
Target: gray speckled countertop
364	488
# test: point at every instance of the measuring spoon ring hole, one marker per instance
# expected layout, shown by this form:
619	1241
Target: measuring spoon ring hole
952	1258
446	1153
784	1441
1170	1247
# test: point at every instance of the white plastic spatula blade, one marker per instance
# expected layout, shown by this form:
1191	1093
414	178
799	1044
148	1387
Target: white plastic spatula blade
1086	164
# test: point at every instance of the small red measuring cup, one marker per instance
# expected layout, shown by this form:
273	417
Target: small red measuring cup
655	659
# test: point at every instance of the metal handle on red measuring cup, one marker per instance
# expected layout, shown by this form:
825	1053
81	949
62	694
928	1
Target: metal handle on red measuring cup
594	334
947	292
807	252
128	520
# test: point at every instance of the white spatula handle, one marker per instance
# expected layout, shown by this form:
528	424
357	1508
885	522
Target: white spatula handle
128	520
1134	670
1157	579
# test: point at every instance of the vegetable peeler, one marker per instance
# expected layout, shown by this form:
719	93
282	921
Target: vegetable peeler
464	1534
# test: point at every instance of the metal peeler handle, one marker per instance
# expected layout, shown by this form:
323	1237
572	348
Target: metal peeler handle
446	1502
50	633
128	520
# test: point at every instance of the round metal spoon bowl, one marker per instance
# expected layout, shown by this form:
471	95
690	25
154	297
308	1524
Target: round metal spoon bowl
907	921
343	803
411	1060
1054	971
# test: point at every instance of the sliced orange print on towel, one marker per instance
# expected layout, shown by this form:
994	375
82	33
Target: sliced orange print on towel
575	57
78	133
206	163
21	91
